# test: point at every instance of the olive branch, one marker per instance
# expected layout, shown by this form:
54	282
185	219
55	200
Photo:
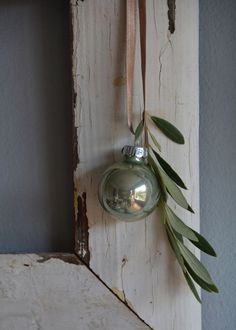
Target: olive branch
170	185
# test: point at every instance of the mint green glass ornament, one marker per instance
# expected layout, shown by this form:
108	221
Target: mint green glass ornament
129	190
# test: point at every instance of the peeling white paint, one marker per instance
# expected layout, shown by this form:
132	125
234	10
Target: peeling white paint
55	295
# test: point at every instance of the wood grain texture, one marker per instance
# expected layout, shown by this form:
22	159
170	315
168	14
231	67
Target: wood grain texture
134	259
57	295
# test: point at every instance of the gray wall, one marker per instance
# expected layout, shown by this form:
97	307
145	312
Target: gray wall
218	156
35	127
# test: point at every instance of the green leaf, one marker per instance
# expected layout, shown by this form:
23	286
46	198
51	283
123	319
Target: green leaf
200	282
168	129
169	171
175	247
192	287
139	129
179	226
195	264
174	191
178	236
154	140
158	177
204	245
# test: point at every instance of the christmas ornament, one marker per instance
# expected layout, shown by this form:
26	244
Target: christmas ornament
129	190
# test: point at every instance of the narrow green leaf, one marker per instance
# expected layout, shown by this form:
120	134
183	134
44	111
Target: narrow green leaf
192	287
174	190
179	226
169	171
195	264
178	236
204	245
139	129
168	129
154	140
175	247
158	177
200	282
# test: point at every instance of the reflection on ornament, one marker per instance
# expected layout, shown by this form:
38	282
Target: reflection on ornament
129	190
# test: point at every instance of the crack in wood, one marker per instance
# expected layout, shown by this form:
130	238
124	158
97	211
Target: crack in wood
115	291
171	15
124	261
82	229
162	52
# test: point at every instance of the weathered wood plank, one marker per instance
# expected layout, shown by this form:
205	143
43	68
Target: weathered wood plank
134	259
55	294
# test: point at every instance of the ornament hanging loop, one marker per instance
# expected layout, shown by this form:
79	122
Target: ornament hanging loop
142	28
130	56
131	14
142	25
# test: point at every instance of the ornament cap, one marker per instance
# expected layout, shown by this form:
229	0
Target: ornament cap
133	151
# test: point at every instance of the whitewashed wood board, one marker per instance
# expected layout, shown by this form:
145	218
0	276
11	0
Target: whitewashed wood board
57	295
134	259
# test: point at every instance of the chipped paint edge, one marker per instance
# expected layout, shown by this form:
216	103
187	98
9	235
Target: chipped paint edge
81	247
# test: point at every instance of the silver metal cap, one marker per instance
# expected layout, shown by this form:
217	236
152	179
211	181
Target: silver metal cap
132	151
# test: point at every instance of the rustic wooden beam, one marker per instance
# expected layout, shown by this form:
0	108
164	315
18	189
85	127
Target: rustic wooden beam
134	260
